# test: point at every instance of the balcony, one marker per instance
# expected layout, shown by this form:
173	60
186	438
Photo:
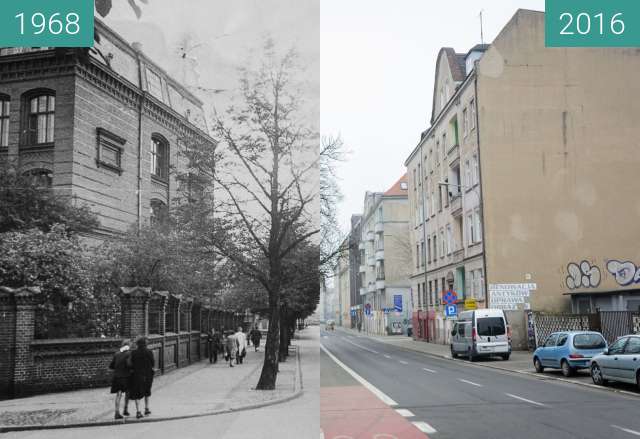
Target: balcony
371	261
456	204
362	269
380	284
370	236
379	227
371	288
379	255
363	291
362	246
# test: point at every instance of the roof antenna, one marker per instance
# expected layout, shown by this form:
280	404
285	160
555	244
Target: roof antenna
481	33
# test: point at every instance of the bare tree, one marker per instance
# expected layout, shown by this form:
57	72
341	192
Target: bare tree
265	174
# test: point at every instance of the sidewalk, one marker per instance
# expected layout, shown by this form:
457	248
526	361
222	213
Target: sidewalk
195	390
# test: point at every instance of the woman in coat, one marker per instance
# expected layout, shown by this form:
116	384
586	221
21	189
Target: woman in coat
231	347
142	364
255	335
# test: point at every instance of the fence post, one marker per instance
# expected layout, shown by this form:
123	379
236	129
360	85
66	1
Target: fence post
26	299
135	309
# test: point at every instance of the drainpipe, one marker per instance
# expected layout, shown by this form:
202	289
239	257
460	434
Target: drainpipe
481	198
140	105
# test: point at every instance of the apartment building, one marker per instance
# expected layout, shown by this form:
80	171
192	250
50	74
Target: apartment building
511	188
342	282
385	255
103	126
356	309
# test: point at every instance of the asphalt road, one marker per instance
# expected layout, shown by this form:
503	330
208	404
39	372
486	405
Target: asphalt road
462	400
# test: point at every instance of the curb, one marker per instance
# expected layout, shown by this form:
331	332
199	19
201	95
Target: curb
504	369
294	395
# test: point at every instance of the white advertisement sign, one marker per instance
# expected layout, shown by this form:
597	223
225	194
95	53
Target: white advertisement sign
510	296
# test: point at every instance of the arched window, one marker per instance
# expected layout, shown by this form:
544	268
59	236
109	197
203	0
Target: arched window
158	212
5	102
159	157
40	117
42	178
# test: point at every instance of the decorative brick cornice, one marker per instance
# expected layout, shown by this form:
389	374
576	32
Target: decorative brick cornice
135	294
23	296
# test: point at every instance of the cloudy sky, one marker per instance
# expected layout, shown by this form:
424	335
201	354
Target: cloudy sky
377	70
217	37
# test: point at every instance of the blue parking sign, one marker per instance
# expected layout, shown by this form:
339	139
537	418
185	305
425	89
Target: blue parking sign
451	310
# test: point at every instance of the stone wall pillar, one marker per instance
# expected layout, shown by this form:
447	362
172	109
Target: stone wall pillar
7	341
25	299
135	309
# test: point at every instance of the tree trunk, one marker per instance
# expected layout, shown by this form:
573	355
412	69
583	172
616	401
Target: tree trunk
270	366
284	345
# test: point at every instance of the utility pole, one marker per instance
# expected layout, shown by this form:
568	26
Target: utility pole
481	31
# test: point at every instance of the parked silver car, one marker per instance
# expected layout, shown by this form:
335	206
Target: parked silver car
621	362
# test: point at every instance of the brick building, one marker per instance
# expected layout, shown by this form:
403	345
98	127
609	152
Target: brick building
104	127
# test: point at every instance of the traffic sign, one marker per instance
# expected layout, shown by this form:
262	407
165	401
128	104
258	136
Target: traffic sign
449	297
470	304
397	302
451	310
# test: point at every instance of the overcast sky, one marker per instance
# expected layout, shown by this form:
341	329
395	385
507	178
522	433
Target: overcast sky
377	71
219	36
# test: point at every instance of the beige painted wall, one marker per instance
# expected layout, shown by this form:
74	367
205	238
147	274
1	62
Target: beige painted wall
560	154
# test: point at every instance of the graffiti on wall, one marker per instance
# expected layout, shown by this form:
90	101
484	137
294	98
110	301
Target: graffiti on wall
625	273
582	275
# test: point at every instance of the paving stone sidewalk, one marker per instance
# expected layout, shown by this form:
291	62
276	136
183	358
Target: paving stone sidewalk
194	390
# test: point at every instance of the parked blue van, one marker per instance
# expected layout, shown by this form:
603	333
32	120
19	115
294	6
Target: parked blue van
569	351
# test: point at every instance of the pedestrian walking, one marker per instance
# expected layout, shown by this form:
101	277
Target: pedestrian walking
255	335
142	364
121	375
231	347
213	342
241	340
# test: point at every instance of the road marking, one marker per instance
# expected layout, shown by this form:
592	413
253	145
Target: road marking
424	427
403	362
470	382
361	347
387	356
626	430
404	412
384	398
526	400
428	370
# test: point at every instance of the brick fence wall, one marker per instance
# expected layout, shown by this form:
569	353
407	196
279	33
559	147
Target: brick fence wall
29	366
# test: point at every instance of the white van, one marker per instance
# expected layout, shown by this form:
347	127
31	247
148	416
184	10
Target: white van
481	332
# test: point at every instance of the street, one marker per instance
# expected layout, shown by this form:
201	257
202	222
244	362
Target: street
461	400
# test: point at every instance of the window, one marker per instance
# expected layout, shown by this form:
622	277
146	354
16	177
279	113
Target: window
444	145
433	201
490	326
442	244
449	240
633	346
476	225
472	109
159	157
424	294
422	251
419	297
40	121
403	185
480	287
417	256
154	84
465	122
474	169
435	247
589	341
618	346
110	150
440	196
4	120
562	339
467	174
437	151
430	294
429	250
470	229
551	341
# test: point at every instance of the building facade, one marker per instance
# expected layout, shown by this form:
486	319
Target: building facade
385	255
103	126
342	284
356	309
513	181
